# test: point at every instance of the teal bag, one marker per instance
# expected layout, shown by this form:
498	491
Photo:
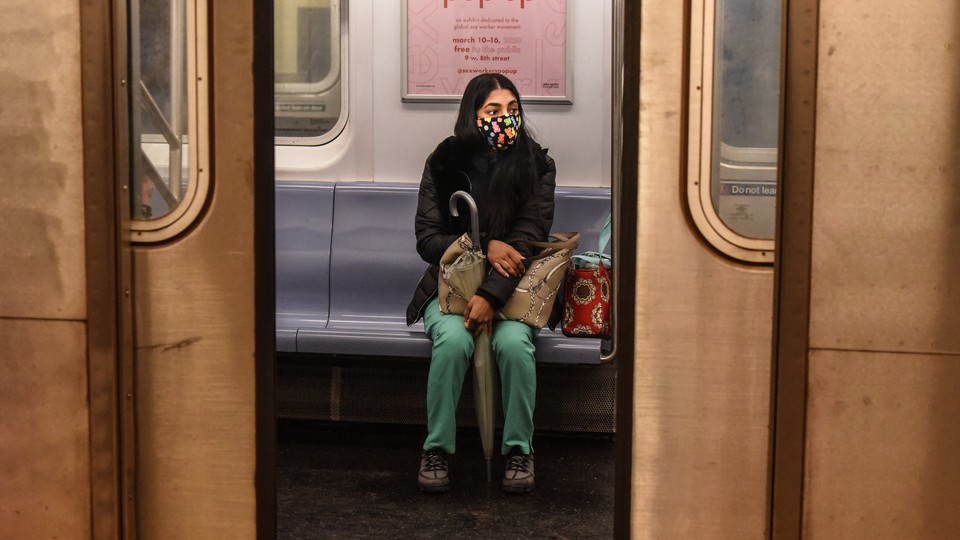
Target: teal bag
587	292
593	259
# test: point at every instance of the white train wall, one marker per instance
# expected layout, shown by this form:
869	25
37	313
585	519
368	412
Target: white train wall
387	140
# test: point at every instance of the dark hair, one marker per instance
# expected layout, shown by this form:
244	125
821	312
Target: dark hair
516	173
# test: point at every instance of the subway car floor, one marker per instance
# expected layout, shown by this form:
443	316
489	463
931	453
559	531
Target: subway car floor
360	481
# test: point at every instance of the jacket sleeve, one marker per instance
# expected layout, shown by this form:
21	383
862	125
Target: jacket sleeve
533	224
433	234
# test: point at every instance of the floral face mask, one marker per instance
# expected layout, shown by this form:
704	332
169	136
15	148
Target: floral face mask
500	131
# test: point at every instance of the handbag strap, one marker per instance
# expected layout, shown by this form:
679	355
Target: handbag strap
567	240
592	259
596	258
605	235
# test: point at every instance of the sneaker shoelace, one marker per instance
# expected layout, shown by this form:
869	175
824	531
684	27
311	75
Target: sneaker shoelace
435	461
517	463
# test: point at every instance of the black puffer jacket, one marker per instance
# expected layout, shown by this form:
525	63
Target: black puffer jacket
445	173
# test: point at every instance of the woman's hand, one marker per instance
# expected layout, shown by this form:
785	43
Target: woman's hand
505	259
478	315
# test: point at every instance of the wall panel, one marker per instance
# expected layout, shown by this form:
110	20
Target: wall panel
44	413
881	435
41	164
887	198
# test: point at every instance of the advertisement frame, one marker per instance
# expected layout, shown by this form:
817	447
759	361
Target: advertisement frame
407	97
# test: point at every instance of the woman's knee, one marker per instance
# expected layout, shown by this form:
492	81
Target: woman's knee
512	343
452	342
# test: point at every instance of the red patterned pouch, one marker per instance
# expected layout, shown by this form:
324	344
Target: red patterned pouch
586	293
586	302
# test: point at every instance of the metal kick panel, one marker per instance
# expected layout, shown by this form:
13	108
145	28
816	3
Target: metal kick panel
44	430
882	442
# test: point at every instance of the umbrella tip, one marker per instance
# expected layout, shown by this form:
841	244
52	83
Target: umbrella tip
489	477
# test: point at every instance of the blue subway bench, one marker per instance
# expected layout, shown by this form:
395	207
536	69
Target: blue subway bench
347	266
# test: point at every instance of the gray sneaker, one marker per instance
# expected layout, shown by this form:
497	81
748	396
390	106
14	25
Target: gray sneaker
518	478
433	471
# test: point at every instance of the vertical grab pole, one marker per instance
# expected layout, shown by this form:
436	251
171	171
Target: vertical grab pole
137	170
177	70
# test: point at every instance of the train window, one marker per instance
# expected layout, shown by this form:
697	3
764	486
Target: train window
167	128
734	131
309	61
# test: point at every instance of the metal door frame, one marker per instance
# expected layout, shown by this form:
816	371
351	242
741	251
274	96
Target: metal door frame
792	266
626	80
265	270
107	262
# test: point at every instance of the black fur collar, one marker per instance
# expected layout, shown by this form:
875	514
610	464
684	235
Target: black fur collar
451	157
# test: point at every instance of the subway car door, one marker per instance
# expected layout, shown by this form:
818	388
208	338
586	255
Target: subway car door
201	198
708	107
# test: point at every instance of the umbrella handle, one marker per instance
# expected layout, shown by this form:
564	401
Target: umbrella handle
474	218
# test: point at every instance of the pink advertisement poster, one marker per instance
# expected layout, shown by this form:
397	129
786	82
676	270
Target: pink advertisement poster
448	42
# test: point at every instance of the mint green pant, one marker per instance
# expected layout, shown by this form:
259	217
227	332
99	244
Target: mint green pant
452	353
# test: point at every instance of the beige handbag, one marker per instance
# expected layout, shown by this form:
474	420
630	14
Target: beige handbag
532	301
451	301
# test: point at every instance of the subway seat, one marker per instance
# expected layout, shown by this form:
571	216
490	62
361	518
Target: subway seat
347	266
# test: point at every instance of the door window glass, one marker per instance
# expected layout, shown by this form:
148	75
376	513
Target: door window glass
746	115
